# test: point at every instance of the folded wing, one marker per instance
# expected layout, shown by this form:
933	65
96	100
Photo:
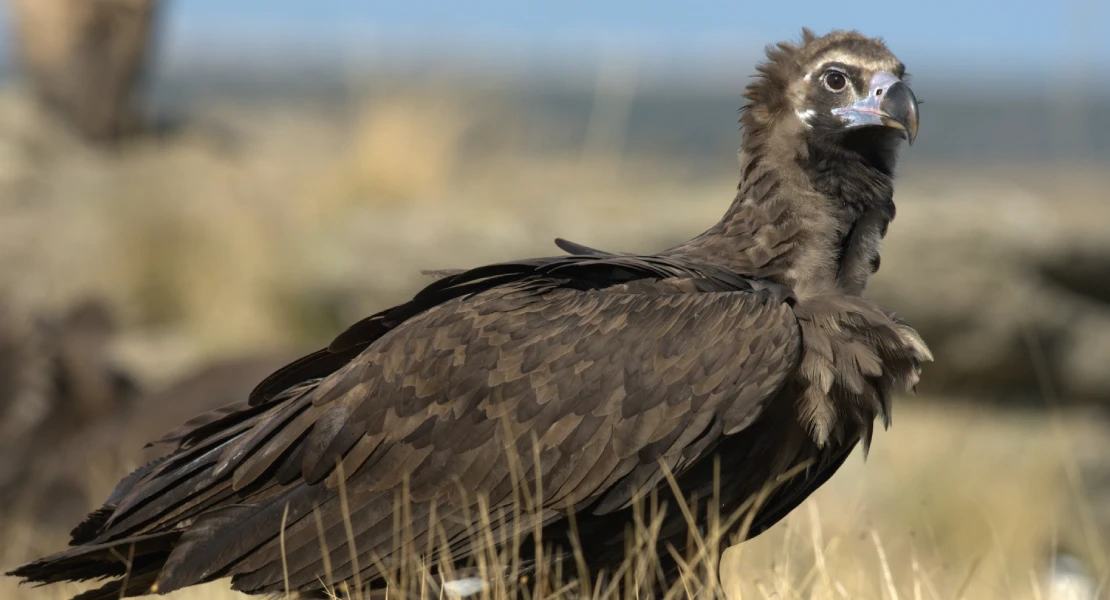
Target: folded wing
586	374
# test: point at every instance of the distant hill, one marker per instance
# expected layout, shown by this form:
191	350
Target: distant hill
673	112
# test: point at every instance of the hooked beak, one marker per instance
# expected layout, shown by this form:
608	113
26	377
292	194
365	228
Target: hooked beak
889	103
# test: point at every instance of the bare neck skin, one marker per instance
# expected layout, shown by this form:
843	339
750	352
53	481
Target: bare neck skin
809	212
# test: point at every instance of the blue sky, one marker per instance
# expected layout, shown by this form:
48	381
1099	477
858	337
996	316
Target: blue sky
968	35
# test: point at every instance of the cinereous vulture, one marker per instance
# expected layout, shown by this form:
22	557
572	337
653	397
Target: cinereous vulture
748	351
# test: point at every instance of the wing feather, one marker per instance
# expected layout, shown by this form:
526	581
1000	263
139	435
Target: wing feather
613	365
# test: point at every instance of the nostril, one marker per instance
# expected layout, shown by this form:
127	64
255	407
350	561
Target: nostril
879	92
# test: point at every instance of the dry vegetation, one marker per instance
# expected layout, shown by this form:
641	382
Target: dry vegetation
959	503
275	225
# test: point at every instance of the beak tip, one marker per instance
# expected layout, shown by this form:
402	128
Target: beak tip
890	103
901	106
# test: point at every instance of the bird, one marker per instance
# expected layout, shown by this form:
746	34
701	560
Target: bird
738	369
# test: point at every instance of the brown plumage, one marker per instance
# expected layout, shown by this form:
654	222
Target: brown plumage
748	349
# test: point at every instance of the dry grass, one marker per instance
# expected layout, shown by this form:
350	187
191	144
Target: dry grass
952	503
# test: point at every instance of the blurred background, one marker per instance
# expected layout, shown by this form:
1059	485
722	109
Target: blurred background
193	192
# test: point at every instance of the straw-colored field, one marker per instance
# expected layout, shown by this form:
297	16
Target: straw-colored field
951	503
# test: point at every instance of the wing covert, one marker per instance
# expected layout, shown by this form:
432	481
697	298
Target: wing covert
587	373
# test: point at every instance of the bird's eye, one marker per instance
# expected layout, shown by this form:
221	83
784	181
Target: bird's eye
835	81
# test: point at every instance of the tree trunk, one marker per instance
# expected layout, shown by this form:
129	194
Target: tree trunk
84	59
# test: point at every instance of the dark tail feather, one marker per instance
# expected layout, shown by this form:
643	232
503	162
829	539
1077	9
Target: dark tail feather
87	530
139	582
147	554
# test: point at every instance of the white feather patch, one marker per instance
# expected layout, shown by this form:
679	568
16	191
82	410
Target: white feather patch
805	115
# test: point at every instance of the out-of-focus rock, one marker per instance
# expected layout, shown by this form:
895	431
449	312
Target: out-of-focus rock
85	58
55	379
1009	285
82	469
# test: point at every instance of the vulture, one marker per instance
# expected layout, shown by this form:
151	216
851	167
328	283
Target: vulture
735	371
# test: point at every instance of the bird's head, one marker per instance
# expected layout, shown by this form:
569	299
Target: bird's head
838	90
